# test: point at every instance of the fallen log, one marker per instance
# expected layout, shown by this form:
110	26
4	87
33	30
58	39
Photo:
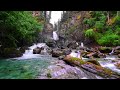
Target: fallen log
96	69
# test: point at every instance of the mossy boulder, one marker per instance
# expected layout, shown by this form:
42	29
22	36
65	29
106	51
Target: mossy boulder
89	66
105	49
74	60
99	70
11	53
94	62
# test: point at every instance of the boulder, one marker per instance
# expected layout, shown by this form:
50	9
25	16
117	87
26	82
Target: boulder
57	52
105	49
61	57
93	68
37	50
22	49
50	43
93	54
117	50
66	51
11	53
118	55
72	45
117	65
94	62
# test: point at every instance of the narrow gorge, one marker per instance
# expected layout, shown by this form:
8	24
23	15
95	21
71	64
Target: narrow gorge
60	45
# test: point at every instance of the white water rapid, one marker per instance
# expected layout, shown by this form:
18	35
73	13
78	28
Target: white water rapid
55	36
29	53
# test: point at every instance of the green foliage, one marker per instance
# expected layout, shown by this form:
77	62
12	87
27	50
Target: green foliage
17	27
89	33
102	32
109	39
99	25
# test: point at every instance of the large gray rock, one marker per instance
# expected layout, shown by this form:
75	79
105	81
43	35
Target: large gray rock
62	71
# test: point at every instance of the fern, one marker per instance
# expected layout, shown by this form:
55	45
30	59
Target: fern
89	33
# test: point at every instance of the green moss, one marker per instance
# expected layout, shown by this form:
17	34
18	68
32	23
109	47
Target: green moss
77	59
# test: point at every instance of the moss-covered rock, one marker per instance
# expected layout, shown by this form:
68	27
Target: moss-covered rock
92	67
105	49
74	60
94	62
11	53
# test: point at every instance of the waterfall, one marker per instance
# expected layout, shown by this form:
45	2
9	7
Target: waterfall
111	52
55	36
82	45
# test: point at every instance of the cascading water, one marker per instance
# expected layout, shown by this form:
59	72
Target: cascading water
82	45
55	36
29	53
107	62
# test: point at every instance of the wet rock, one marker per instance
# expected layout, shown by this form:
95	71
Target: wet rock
96	69
117	65
37	50
50	43
116	52
118	55
117	48
56	52
72	45
61	57
113	61
22	49
94	62
66	51
63	71
105	49
93	54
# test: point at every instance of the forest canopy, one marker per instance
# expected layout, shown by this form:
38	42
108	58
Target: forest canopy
18	28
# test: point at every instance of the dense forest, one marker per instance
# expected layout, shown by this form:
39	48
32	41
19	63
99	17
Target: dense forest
94	35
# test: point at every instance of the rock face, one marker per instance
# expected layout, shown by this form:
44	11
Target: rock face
71	26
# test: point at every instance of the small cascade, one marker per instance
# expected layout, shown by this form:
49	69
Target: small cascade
29	53
82	45
111	52
55	36
107	62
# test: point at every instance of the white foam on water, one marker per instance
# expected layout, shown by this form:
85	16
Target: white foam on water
29	53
